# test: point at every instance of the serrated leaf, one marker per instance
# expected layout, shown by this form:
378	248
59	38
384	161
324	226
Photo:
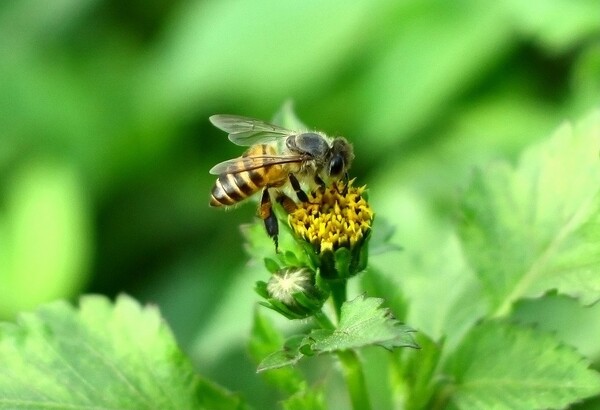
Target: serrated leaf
376	283
535	228
102	356
289	355
363	322
264	339
572	323
501	366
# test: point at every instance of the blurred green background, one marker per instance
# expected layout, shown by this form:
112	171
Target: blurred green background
105	144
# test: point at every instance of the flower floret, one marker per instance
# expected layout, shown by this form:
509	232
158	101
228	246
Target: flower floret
334	217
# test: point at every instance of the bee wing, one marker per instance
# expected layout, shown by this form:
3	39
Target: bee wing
241	164
248	131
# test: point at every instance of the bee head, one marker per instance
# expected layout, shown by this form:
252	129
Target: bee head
341	155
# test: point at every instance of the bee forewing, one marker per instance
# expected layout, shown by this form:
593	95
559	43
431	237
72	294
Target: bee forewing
248	131
242	164
223	167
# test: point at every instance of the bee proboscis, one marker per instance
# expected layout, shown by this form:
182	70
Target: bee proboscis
277	158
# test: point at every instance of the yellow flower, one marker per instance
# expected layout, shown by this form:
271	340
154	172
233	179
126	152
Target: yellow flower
335	217
335	226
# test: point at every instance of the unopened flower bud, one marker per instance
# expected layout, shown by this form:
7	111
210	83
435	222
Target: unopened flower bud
293	292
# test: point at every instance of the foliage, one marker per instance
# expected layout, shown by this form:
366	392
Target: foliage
104	153
100	355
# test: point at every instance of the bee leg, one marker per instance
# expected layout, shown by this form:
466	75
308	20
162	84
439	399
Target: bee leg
346	180
302	197
320	183
266	213
287	203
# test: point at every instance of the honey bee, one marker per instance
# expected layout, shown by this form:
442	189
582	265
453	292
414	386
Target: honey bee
277	159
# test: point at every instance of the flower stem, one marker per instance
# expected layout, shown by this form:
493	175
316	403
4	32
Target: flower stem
441	398
351	366
355	380
323	320
338	295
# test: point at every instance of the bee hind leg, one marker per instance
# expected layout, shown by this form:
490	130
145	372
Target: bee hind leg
302	197
287	203
266	213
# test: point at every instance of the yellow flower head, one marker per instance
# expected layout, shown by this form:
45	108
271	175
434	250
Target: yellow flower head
334	217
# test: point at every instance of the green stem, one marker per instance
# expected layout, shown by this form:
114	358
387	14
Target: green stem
441	398
355	379
323	320
351	366
398	383
338	295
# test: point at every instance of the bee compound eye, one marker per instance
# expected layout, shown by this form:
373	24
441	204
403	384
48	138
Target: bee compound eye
336	166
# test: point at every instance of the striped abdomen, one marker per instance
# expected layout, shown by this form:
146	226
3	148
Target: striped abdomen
234	187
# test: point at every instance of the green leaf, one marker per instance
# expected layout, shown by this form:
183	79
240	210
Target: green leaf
363	322
342	258
534	228
416	368
585	81
383	231
286	117
376	283
433	34
45	236
306	399
557	24
503	366
445	296
257	243
201	40
271	265
572	323
102	356
265	339
289	355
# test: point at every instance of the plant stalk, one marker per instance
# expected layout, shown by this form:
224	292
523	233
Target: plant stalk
338	295
323	320
440	400
355	379
351	366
